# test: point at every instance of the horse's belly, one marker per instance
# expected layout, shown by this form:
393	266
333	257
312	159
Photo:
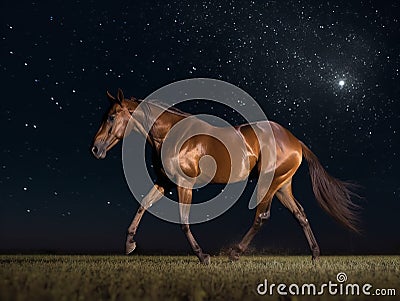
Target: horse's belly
221	157
233	171
233	159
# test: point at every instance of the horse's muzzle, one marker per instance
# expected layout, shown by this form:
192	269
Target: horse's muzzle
99	151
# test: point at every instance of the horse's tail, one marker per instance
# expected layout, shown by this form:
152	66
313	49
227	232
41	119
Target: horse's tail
333	195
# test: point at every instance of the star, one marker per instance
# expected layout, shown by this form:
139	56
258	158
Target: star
341	83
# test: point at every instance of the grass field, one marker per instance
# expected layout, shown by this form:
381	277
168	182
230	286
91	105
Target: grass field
51	277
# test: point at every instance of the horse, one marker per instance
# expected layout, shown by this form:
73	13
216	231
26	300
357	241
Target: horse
333	195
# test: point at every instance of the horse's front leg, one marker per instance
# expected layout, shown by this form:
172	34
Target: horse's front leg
185	199
153	196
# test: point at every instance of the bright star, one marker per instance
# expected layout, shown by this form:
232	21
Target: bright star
341	83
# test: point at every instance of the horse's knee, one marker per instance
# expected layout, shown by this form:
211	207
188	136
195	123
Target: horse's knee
160	188
185	228
264	216
261	219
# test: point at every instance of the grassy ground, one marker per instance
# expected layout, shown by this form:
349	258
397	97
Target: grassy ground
39	277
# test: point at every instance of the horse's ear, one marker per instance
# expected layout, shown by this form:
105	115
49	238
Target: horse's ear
120	96
110	97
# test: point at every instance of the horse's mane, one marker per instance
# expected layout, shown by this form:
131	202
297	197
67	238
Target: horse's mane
164	106
146	107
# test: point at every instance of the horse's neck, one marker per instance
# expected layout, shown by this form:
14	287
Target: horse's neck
165	120
163	125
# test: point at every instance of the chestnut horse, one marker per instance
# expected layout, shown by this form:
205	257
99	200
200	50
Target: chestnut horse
333	195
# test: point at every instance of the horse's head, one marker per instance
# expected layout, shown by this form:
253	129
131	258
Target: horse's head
112	130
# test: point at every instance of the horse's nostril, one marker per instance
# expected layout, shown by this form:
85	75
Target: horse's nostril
94	150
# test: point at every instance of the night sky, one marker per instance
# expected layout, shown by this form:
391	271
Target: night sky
327	71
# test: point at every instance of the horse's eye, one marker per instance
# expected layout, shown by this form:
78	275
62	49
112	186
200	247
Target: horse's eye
111	118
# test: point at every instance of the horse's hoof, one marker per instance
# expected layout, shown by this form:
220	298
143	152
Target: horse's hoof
206	259
234	255
315	258
315	255
130	247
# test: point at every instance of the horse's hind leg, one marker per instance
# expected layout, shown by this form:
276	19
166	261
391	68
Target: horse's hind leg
285	195
153	196
262	214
